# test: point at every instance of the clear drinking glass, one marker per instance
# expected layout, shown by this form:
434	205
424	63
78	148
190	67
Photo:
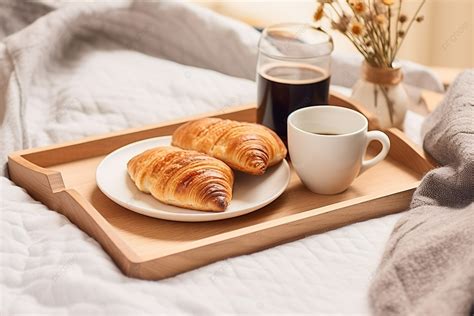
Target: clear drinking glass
293	71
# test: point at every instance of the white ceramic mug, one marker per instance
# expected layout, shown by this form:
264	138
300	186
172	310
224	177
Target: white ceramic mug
327	145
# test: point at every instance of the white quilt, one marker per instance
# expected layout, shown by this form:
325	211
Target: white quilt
85	70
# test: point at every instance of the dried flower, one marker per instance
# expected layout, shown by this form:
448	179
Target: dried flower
357	28
403	18
420	19
359	6
368	24
342	24
380	19
338	26
319	13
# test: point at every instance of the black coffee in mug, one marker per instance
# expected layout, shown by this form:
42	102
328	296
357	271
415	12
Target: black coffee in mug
284	88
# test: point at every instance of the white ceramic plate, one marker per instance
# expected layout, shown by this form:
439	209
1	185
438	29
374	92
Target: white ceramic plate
250	192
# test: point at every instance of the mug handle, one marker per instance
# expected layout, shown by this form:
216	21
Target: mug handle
384	140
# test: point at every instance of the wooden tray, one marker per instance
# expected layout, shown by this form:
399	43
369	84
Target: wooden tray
63	177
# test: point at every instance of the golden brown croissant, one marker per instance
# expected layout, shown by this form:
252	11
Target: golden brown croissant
247	147
183	178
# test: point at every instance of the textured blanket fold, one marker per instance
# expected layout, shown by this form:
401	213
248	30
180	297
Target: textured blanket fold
428	265
64	59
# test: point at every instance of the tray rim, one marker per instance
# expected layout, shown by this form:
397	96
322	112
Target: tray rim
335	98
274	223
53	189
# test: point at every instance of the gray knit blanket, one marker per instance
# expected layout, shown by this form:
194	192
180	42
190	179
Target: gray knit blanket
428	265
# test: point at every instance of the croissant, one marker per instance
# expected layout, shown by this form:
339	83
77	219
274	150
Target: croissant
183	178
247	147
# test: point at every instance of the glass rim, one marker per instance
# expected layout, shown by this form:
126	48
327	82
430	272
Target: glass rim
293	24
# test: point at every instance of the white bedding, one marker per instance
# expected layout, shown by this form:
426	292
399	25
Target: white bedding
101	84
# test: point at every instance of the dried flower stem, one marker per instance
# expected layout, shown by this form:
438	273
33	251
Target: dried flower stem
368	25
407	29
392	52
353	39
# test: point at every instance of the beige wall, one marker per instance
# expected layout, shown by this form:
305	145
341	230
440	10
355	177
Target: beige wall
445	38
452	35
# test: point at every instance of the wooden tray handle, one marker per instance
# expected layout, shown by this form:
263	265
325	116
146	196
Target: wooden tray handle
403	148
41	183
405	151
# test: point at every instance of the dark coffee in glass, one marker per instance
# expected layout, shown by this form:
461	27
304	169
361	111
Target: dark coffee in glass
283	89
293	71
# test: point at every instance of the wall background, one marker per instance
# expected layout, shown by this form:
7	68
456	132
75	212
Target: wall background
445	38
